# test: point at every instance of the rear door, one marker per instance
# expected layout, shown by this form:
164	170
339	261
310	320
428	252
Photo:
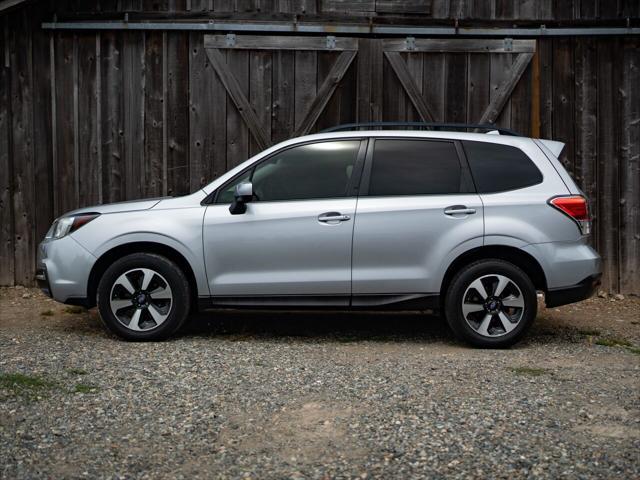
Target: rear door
416	212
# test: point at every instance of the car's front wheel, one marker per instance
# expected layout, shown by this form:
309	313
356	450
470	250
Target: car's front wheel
144	296
491	303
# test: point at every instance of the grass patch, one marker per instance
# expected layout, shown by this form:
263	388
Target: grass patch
27	385
74	310
613	342
589	333
77	371
533	372
47	313
84	388
635	350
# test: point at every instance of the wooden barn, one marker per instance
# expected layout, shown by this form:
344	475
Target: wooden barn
113	99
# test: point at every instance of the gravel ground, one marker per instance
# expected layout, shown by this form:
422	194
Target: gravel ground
318	395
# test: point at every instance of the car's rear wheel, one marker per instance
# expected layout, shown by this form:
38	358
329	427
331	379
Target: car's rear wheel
491	303
144	296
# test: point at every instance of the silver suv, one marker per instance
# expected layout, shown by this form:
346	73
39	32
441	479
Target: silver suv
468	224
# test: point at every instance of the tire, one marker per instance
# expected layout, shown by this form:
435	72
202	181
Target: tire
478	316
144	297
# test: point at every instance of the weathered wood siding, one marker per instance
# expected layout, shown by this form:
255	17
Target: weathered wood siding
93	117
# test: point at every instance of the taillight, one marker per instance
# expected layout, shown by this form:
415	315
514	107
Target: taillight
576	208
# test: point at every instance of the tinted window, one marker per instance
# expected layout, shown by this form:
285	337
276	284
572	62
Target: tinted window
496	168
317	170
415	167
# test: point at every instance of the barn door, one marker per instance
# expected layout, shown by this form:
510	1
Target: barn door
458	80
285	86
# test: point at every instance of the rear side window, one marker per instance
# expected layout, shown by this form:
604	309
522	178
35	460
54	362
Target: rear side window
415	167
498	168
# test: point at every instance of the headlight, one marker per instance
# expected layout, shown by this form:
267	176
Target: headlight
65	225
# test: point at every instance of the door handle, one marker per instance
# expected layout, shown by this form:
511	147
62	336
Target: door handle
333	217
459	210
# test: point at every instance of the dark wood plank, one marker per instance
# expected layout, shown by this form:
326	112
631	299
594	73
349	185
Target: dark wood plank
422	7
202	82
134	81
21	78
458	45
563	99
363	96
306	81
566	9
325	91
608	206
283	123
260	94
479	88
586	64
409	85
89	168
42	127
394	94
506	9
377	87
545	52
154	172
630	168
347	95
6	179
434	83
440	8
482	9
265	42
535	96
414	63
112	106
237	130
503	80
177	113
330	115
456	88
65	179
238	95
521	103
343	6
588	9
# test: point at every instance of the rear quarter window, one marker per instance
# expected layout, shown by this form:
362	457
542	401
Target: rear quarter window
499	168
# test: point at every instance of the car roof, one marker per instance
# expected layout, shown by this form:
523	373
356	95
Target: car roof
432	134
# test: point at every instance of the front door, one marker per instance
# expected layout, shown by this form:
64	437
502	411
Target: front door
294	240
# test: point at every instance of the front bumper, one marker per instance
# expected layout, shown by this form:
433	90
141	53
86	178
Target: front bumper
63	270
575	293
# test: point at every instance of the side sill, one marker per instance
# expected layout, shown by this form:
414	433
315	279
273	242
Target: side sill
412	301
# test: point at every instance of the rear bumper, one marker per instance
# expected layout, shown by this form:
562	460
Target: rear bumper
575	293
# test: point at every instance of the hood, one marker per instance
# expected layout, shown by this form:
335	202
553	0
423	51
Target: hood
128	206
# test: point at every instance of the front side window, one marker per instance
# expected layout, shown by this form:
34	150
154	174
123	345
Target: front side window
311	171
416	167
498	168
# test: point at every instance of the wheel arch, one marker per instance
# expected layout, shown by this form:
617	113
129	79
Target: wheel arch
108	257
514	255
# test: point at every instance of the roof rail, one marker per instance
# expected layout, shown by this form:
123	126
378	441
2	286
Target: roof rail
421	125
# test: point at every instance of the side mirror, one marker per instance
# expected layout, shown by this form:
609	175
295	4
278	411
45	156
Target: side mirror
242	195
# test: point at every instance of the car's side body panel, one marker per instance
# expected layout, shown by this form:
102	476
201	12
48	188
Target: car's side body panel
279	248
399	242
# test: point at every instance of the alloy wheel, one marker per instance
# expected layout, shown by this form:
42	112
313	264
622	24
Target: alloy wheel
141	299
493	305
